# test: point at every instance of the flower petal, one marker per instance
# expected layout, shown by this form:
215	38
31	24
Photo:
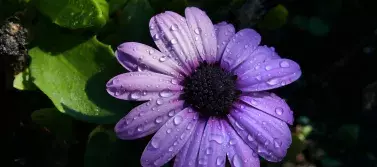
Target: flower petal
269	136
139	57
224	32
239	48
238	152
147	118
260	55
141	86
212	147
171	35
203	32
188	156
270	104
269	75
168	141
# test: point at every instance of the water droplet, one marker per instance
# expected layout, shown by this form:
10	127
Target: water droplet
202	161
217	138
177	120
142	67
273	81
190	125
140	128
174	81
168	131
268	67
162	59
220	160
246	46
266	143
155	143
128	121
254	102
232	142
173	41
158	120
250	138
284	64
159	102
136	94
175	143
209	151
277	143
171	148
258	77
239	126
156	37
151	27
236	160
279	111
197	31
171	113
174	27
151	52
166	93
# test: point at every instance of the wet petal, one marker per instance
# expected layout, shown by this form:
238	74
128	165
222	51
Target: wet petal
239	48
171	35
141	86
224	32
270	104
188	156
269	136
147	118
269	75
203	33
213	145
260	55
168	141
238	152
139	57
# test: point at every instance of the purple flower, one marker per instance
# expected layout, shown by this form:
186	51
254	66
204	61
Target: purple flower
205	93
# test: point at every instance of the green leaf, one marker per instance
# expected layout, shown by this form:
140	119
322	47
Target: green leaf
275	18
105	149
297	146
23	81
55	122
133	24
75	14
73	71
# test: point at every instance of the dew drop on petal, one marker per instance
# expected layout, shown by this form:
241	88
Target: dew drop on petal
284	64
159	102
166	93
220	160
136	94
217	138
190	125
232	142
171	113
174	81
250	138
140	128
197	31
202	161
168	131
158	120
177	120
268	67
155	143
156	37
173	41
174	27
162	59
277	143
236	161
171	148
151	51
273	81
209	151
279	111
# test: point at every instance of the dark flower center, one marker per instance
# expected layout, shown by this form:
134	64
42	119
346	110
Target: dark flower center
210	90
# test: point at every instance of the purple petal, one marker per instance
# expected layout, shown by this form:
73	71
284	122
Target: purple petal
270	104
188	156
139	57
224	32
141	86
203	33
269	75
239	48
147	118
213	145
260	55
238	152
269	136
171	35
168	141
